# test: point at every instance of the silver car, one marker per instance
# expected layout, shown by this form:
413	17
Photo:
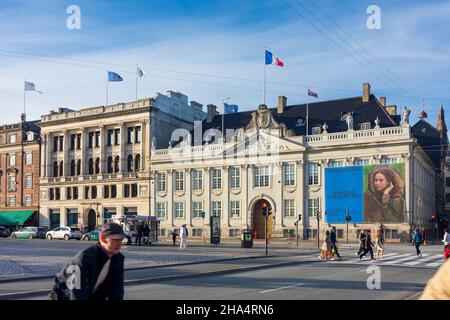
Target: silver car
65	233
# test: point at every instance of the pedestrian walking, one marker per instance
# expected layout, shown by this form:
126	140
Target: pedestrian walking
417	241
140	231
379	244
362	242
183	235
368	247
146	233
333	239
446	241
325	254
95	273
174	237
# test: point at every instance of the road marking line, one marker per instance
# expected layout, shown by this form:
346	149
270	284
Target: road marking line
410	257
271	290
434	264
432	257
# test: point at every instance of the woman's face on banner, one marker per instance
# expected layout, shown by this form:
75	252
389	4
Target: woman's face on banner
380	182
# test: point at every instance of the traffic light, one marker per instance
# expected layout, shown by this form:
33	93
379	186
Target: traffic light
299	217
433	217
265	209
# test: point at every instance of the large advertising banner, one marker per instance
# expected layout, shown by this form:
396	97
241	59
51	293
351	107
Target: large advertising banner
370	194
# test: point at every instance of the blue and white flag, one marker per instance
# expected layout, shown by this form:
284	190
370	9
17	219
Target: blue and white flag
140	72
114	77
30	86
230	108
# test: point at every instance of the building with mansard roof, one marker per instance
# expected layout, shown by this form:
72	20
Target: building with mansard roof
359	165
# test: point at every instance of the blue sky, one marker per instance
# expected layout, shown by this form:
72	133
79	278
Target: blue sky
211	50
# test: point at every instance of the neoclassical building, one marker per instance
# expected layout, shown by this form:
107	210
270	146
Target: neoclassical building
95	161
358	159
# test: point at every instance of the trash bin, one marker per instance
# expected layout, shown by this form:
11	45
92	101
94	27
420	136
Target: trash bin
246	239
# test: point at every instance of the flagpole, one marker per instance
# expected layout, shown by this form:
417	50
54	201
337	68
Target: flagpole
307	112
264	85
24	96
137	82
107	85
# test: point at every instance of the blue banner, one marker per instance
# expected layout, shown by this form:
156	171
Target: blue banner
344	193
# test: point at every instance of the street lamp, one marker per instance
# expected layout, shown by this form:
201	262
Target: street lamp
266	213
348	218
202	215
319	215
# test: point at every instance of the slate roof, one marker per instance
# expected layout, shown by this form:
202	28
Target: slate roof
430	140
319	112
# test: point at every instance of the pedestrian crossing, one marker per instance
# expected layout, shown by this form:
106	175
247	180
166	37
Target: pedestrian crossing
428	260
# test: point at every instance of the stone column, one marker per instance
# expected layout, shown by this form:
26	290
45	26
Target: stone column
66	154
226	210
244	187
123	160
170	194
278	196
208	204
103	142
83	152
188	203
300	196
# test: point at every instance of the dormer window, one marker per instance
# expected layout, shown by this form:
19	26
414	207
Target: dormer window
316	130
365	126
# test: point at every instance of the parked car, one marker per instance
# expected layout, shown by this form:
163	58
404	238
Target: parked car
30	233
94	235
4	232
65	233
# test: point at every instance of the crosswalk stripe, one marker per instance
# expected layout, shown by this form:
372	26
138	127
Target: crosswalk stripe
409	257
434	264
432	257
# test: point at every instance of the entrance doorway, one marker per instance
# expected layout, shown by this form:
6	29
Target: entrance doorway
92	220
259	220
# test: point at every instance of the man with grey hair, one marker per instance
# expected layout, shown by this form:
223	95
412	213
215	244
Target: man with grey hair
95	273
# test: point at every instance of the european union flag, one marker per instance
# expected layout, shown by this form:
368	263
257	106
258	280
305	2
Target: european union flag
230	108
114	77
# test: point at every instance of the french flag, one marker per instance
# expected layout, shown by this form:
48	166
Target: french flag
272	59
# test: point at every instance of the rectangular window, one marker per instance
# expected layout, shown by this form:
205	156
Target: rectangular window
73	138
179	181
235	177
217	178
313	173
11	182
340	233
69	193
90	140
289	174
61	143
116	136
289	208
28	201
313	207
362	162
106	192
130	135
217	208
110	137
197	208
113	191
387	160
336	163
12	138
447	197
197	232
78	141
447	182
75	193
12	159
126	191
161	182
316	130
94	192
197	176
179	209
235	209
28	158
234	232
57	194
55	144
262	176
161	210
86	192
365	126
134	190
52	194
138	135
97	139
11	201
28	181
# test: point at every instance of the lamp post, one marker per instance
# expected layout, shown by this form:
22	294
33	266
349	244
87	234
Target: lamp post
296	224
348	218
319	215
265	212
202	214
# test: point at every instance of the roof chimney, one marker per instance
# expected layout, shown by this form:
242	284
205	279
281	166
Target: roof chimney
211	112
366	92
282	100
383	101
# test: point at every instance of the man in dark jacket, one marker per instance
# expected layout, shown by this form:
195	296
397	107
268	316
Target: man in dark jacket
140	231
333	240
362	242
95	273
368	247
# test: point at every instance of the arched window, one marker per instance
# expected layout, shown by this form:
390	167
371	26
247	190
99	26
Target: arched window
78	167
72	168
130	163
116	164
97	166
91	166
137	163
55	169
110	165
61	168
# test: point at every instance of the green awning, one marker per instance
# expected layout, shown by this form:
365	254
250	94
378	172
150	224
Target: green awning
14	218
